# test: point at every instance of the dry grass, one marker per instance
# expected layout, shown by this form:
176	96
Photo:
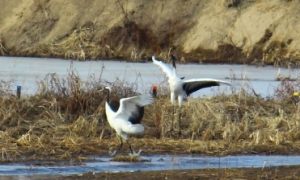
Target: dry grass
3	50
66	119
77	45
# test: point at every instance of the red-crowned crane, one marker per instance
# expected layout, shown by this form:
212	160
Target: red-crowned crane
181	88
124	116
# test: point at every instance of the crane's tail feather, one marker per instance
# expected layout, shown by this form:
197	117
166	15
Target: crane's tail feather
133	128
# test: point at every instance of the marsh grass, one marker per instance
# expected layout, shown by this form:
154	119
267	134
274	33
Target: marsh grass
66	119
240	122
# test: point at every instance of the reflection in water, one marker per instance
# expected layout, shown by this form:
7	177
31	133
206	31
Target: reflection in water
156	162
28	71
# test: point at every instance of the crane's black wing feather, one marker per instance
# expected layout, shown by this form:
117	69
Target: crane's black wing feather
190	87
114	105
136	116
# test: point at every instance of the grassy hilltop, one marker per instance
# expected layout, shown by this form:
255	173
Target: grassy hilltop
229	31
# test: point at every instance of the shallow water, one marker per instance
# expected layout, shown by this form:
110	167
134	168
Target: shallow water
155	162
28	71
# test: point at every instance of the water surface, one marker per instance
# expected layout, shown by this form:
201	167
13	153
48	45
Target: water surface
28	71
155	162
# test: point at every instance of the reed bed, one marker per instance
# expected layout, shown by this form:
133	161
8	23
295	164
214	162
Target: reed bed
66	119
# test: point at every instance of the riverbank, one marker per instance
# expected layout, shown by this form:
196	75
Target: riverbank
226	31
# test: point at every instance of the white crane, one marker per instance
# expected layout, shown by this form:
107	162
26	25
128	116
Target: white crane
124	116
181	88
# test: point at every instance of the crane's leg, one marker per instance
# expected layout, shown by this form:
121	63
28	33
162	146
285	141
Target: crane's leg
173	103
132	152
180	102
130	147
118	148
172	98
121	143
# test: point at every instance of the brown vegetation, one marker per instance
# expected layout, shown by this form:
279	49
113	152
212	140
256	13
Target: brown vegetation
66	119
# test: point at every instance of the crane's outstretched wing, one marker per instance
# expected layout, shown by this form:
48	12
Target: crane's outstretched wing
133	107
192	85
167	69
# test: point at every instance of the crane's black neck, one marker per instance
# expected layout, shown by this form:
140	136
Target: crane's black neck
107	93
113	103
173	59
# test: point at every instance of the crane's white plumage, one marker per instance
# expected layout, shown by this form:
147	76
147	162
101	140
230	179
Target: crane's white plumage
181	88
126	120
166	68
128	107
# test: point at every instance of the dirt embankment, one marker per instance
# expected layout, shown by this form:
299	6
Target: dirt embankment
239	31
